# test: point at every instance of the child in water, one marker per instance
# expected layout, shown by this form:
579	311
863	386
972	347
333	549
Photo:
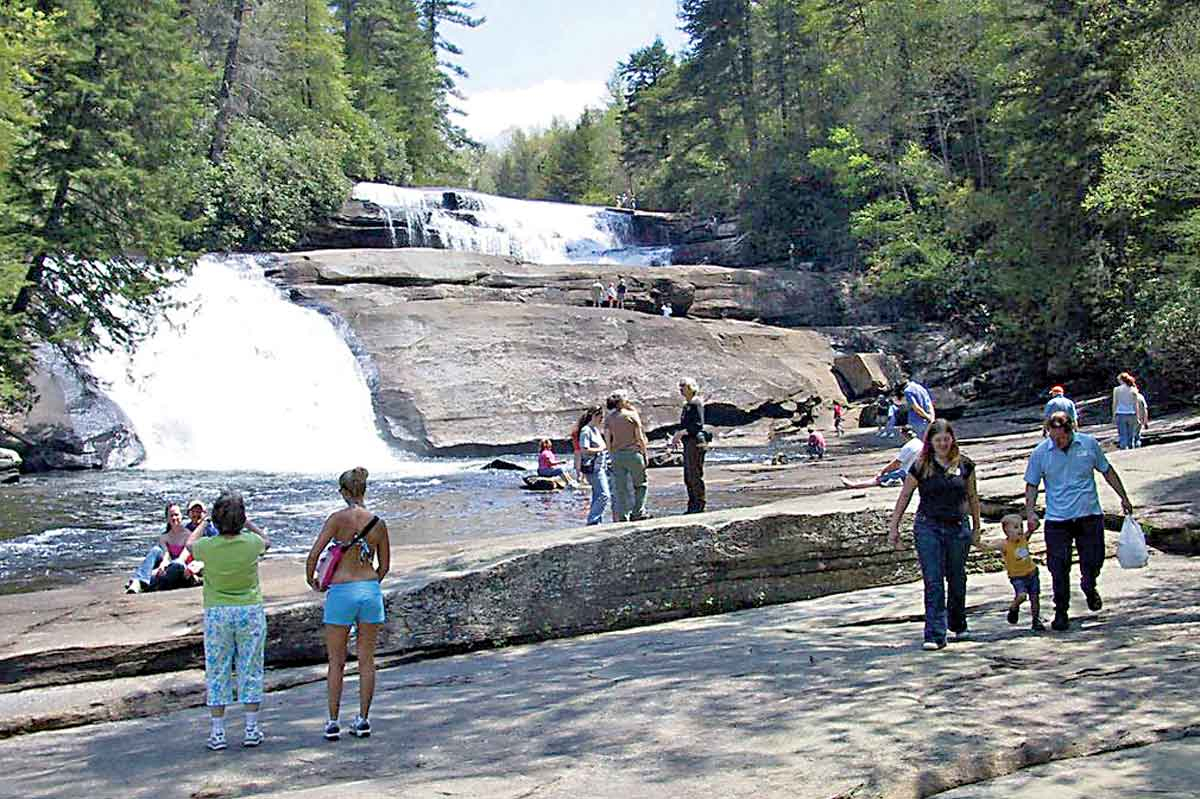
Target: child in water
1022	571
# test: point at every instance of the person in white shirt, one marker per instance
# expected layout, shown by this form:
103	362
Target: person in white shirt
1125	409
897	469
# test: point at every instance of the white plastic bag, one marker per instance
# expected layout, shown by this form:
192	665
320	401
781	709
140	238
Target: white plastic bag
1131	546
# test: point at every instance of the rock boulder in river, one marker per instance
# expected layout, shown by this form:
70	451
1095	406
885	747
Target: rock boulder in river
474	353
73	425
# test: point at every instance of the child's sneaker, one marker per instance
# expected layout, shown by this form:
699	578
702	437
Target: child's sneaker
1038	626
253	737
333	731
360	727
1014	613
216	740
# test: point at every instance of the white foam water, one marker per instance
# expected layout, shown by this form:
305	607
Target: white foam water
530	230
237	378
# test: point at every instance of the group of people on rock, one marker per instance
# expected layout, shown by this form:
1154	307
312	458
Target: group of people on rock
613	296
235	622
611	454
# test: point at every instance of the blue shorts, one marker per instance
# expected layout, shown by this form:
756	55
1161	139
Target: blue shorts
359	601
1027	584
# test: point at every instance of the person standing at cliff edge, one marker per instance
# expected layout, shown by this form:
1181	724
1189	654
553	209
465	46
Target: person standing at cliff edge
1067	461
627	446
694	438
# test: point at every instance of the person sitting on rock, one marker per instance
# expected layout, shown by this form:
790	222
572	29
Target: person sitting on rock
897	468
197	521
165	566
550	466
816	444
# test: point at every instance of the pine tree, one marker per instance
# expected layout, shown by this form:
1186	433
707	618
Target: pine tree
434	15
104	172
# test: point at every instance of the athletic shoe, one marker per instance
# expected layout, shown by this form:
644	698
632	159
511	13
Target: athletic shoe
1094	600
360	727
134	586
1014	613
1038	626
253	737
962	635
333	731
933	646
216	741
1061	621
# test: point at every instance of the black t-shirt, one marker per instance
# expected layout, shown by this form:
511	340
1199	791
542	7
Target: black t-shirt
692	418
944	493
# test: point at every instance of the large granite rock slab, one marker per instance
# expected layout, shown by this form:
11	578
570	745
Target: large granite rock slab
480	354
866	374
772	296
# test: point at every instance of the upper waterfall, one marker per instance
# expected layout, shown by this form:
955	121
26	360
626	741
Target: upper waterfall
530	230
236	377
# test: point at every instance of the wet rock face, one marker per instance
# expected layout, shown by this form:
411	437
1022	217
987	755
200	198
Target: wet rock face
73	425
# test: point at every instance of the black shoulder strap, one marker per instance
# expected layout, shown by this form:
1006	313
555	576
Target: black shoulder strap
363	534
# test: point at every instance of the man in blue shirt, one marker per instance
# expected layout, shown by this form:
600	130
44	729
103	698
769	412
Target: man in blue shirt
1059	402
1067	462
916	399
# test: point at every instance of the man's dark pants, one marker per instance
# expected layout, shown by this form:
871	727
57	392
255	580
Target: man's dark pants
1087	534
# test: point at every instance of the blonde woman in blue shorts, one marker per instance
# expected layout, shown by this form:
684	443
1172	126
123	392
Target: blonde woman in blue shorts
354	597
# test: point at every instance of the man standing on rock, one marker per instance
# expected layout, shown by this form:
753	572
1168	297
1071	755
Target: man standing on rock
915	398
1067	461
627	445
597	294
1059	402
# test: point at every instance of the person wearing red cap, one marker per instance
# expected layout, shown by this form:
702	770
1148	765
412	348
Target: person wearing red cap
1059	402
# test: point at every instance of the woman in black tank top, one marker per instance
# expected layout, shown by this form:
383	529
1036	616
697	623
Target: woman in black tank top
946	524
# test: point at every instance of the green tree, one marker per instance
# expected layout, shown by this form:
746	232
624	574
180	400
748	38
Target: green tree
435	14
105	172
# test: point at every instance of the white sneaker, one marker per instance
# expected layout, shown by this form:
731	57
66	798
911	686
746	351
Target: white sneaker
254	736
360	727
333	731
216	741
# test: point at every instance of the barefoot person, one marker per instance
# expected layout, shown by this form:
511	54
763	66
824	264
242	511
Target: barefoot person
235	626
947	522
1066	461
166	565
694	438
354	596
550	466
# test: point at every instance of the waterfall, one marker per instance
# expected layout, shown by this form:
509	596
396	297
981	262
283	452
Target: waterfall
237	378
529	230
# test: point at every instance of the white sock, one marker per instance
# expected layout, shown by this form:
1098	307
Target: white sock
218	725
251	719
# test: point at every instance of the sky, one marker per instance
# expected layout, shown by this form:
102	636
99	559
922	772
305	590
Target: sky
533	60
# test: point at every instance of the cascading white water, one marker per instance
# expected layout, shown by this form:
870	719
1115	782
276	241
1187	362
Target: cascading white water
238	378
533	231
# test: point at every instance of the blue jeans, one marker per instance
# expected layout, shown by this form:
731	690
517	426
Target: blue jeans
917	425
149	564
942	549
1127	430
600	491
555	472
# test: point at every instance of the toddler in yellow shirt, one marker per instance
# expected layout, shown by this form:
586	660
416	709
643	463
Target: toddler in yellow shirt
1022	571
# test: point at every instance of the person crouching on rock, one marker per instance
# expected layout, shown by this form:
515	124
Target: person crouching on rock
695	443
594	463
550	466
354	596
235	625
816	444
166	564
947	522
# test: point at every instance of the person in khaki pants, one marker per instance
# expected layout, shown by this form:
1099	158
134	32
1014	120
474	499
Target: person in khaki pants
627	444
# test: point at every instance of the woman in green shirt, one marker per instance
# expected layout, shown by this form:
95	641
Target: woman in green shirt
235	626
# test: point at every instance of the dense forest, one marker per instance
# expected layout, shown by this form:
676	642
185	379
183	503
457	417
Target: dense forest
1024	169
1027	170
